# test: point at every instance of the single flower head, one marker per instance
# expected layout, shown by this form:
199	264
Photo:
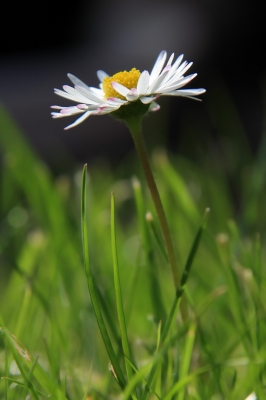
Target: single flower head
136	89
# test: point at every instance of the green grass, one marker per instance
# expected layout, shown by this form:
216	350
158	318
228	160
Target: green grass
124	337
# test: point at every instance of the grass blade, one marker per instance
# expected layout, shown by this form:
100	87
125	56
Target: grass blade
155	292
187	357
178	297
88	384
94	299
28	366
150	221
118	293
183	382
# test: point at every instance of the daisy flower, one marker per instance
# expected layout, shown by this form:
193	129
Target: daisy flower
136	89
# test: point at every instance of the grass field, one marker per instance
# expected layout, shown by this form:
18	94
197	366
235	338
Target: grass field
50	342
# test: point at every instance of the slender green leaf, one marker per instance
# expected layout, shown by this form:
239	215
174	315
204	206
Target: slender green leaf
155	292
88	384
25	363
96	305
118	292
159	241
178	296
183	382
186	357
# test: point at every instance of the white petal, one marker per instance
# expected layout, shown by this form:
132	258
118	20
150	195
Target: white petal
107	110
177	62
90	107
57	115
132	95
143	83
101	75
57	107
176	85
79	96
77	81
187	92
157	82
84	106
154	106
115	101
79	120
169	62
99	92
184	70
173	68
89	95
168	65
66	111
68	96
120	88
148	99
181	70
158	66
190	93
178	73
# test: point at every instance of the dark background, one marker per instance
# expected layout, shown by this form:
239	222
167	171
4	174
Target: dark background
42	42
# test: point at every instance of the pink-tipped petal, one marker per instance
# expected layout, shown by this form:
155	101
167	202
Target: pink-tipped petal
148	99
154	107
70	111
132	95
57	115
83	106
106	110
57	107
115	100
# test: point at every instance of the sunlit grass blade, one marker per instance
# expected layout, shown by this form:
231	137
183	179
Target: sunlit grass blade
30	374
178	296
118	293
158	377
174	180
183	382
88	384
135	380
186	357
96	306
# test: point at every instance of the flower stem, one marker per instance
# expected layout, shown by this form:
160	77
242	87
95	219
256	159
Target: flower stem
134	126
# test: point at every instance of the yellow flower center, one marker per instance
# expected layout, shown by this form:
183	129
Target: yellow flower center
125	78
